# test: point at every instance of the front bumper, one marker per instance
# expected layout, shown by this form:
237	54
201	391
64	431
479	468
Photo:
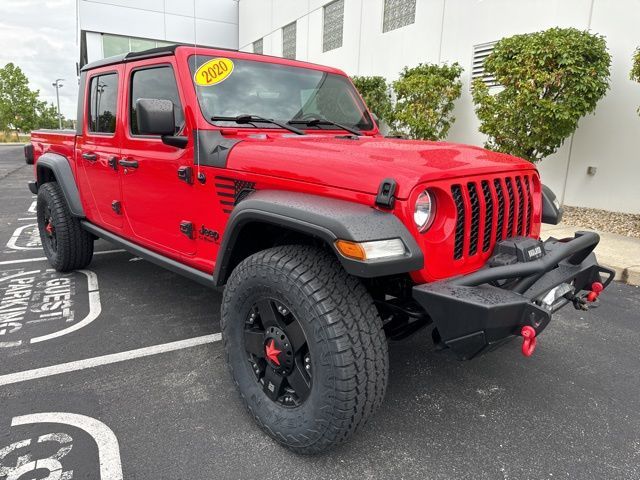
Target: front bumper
477	312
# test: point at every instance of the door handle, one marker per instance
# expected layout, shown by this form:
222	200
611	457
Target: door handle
92	157
128	163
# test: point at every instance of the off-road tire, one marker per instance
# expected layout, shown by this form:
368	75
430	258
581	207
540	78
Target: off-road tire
346	342
74	246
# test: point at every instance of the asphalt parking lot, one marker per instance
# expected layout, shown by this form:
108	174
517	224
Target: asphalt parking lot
117	371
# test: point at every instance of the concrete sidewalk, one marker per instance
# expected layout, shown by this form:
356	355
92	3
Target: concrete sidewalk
614	251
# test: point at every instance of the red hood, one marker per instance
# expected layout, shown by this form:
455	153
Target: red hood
361	164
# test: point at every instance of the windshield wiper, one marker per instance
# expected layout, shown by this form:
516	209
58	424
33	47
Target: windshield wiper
314	122
248	119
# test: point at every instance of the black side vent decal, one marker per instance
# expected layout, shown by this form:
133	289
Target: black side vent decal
212	148
231	191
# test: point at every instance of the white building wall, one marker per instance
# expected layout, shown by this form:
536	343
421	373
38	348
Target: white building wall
206	22
445	31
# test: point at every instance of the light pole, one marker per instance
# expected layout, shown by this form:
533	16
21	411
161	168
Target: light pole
58	86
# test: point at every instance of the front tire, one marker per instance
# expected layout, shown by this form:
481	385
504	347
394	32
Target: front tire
66	245
305	346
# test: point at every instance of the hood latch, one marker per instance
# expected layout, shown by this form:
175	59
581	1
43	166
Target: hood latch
386	192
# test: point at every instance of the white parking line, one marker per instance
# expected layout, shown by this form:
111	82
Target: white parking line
106	359
39	259
108	447
13	241
95	308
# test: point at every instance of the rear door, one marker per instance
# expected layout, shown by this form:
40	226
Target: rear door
158	205
98	148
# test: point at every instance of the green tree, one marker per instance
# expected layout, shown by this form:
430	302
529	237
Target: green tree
46	116
635	70
18	104
375	92
425	99
549	80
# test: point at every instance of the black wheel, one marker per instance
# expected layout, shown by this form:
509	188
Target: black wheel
305	346
66	245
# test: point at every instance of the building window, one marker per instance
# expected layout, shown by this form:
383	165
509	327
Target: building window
333	25
103	103
140	44
117	45
114	45
398	14
258	46
480	54
289	41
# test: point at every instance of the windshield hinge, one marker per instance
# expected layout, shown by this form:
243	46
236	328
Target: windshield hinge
185	174
386	191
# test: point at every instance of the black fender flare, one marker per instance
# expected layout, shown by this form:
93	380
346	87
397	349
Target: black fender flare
327	219
551	209
58	167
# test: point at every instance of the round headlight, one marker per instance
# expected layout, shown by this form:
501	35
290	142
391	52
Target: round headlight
425	211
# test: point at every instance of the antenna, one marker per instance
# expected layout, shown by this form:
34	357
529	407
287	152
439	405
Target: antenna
195	54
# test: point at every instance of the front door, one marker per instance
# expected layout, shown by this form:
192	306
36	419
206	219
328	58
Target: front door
156	202
98	149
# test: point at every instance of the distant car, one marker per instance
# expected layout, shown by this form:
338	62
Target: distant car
28	153
269	176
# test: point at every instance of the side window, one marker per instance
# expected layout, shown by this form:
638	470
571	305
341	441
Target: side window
103	103
160	83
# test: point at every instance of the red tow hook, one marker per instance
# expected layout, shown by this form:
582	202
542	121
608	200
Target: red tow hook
529	340
596	288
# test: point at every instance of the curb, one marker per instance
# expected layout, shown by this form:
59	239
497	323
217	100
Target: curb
617	252
631	275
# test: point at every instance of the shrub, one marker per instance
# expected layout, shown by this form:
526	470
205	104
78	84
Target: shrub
635	70
425	99
375	92
550	80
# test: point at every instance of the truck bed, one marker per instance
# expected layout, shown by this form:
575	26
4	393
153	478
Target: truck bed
61	142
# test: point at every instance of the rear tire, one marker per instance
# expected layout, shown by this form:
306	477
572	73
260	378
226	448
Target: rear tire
322	317
66	245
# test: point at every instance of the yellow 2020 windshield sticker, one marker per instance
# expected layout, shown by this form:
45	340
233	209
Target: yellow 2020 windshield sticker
213	72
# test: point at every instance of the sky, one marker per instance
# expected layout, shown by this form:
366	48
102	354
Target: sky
40	37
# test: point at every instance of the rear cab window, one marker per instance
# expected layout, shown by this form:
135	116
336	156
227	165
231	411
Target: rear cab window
103	103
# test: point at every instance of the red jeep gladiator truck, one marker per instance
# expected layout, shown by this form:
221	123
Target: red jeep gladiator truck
269	177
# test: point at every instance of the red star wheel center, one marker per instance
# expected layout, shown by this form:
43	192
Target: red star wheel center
272	352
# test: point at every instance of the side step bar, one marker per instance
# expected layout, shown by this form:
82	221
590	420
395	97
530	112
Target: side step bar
153	257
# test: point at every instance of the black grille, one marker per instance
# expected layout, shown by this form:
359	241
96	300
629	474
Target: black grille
475	218
500	227
509	200
488	219
512	207
456	190
520	205
529	206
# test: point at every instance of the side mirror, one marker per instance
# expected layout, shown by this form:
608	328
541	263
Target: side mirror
551	209
155	116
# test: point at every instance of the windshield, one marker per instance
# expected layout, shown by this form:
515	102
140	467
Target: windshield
232	87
